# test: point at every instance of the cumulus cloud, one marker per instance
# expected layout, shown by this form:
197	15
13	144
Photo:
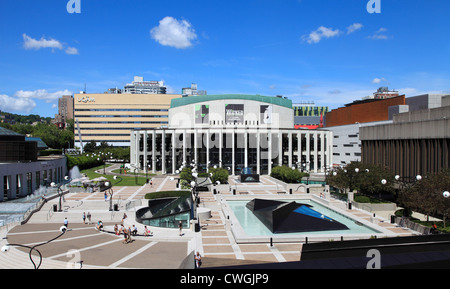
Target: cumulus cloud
379	34
14	104
72	51
354	27
321	32
378	80
42	94
23	101
174	33
30	43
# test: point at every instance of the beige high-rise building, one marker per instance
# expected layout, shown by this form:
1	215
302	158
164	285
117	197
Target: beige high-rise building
110	117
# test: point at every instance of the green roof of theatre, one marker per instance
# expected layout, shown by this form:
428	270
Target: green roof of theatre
176	102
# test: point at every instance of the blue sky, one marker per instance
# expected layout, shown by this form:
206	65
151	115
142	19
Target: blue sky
327	51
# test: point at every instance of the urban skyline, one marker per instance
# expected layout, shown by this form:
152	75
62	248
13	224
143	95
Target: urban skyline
329	52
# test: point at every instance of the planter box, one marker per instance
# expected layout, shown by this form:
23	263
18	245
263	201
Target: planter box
375	207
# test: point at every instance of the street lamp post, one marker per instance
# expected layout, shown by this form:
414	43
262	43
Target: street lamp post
59	191
5	248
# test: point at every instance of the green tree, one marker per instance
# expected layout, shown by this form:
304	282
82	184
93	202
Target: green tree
219	174
90	147
426	196
364	178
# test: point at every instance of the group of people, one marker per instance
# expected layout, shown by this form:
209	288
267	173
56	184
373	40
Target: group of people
88	216
130	231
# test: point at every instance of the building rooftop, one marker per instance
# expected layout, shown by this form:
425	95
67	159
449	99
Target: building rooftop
6	132
202	98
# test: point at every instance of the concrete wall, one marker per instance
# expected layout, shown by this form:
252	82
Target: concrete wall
16	176
346	143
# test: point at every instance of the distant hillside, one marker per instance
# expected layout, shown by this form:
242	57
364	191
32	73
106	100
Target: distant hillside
25	119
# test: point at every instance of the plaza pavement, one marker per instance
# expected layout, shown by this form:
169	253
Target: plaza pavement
165	249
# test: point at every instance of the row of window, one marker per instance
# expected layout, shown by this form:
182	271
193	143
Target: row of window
116	115
122	122
121	109
347	154
350	135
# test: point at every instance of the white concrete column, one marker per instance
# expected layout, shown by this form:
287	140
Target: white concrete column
163	151
308	150
258	152
220	148
184	147
245	148
269	150
207	150
233	136
280	148
173	152
322	152
145	151
154	152
315	151
290	148
299	149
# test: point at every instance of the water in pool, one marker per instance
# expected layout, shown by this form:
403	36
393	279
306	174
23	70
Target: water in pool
254	227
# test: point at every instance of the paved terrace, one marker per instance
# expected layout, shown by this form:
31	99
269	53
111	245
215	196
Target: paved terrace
165	249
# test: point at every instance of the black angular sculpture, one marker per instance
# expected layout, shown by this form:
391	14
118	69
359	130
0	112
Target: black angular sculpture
284	217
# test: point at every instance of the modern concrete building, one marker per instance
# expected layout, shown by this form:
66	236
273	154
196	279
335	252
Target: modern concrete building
417	142
231	131
110	117
22	171
346	142
139	86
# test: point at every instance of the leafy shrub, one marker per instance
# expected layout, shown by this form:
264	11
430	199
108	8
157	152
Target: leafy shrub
287	174
219	174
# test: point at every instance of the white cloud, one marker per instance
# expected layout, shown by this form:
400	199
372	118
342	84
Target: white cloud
30	43
174	33
379	34
24	101
42	94
72	51
321	32
378	80
13	104
354	27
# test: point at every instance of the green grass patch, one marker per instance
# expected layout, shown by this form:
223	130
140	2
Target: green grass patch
166	194
366	199
126	180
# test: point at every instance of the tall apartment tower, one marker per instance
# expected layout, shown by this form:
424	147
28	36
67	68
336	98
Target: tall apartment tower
65	107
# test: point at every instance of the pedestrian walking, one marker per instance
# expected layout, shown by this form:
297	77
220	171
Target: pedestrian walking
84	217
129	235
89	217
198	260
105	195
125	236
180	226
66	222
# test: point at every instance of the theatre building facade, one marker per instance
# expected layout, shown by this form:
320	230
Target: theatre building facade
237	132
